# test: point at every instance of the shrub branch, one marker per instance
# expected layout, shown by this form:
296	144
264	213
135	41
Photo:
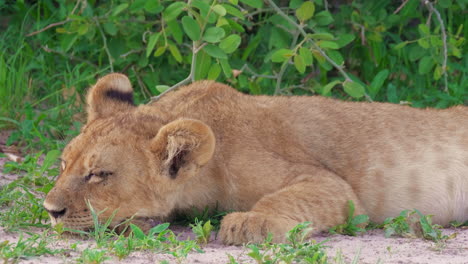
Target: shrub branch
106	48
190	77
431	8
321	51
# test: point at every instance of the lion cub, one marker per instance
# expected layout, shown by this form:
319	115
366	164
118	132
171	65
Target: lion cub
275	161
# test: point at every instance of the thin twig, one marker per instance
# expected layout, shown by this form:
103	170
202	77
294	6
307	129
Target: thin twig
444	40
304	34
49	26
131	52
400	7
284	66
104	39
190	77
47	49
254	74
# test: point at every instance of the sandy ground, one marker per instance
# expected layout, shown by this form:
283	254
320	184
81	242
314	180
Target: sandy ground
372	247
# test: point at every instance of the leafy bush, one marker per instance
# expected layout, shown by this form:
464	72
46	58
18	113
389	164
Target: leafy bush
375	50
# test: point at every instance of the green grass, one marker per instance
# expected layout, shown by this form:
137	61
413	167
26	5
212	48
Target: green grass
299	248
33	246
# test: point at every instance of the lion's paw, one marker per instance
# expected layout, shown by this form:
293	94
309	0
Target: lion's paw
239	228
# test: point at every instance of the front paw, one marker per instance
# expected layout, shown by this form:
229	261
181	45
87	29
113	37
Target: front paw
240	228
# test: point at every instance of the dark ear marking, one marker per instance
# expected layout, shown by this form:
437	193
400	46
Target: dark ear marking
120	96
176	163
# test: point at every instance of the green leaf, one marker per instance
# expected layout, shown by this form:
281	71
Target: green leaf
234	2
206	12
281	55
175	52
214	72
191	28
230	43
423	30
110	28
327	88
253	3
83	29
233	11
202	65
336	56
159	228
360	219
139	234
153	39
213	34
306	11
67	41
400	45
138	5
438	72
160	51
226	68
354	89
425	64
174	29
220	10
378	81
118	9
328	44
153	7
323	18
299	64
424	43
323	36
345	39
215	51
162	88
173	10
306	56
50	158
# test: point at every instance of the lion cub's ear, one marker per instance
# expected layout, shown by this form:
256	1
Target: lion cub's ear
183	146
110	94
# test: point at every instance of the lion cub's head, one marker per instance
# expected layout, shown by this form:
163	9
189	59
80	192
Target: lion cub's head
127	160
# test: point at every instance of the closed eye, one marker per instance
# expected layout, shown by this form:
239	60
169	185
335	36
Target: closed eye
97	176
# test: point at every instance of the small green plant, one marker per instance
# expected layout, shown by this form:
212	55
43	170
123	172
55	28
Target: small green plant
432	231
202	231
458	224
161	239
92	256
400	225
353	223
35	245
298	250
123	246
414	224
24	196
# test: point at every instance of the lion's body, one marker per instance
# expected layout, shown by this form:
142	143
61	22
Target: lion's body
279	161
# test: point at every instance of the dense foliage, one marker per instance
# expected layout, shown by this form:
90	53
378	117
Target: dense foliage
398	51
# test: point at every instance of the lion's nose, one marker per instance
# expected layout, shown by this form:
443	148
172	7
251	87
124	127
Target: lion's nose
57	214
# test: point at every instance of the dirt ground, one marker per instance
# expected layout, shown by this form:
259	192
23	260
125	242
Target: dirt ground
371	247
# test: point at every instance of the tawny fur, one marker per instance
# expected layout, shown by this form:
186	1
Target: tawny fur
275	161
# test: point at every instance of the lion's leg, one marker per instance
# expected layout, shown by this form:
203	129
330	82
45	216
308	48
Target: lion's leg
321	199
